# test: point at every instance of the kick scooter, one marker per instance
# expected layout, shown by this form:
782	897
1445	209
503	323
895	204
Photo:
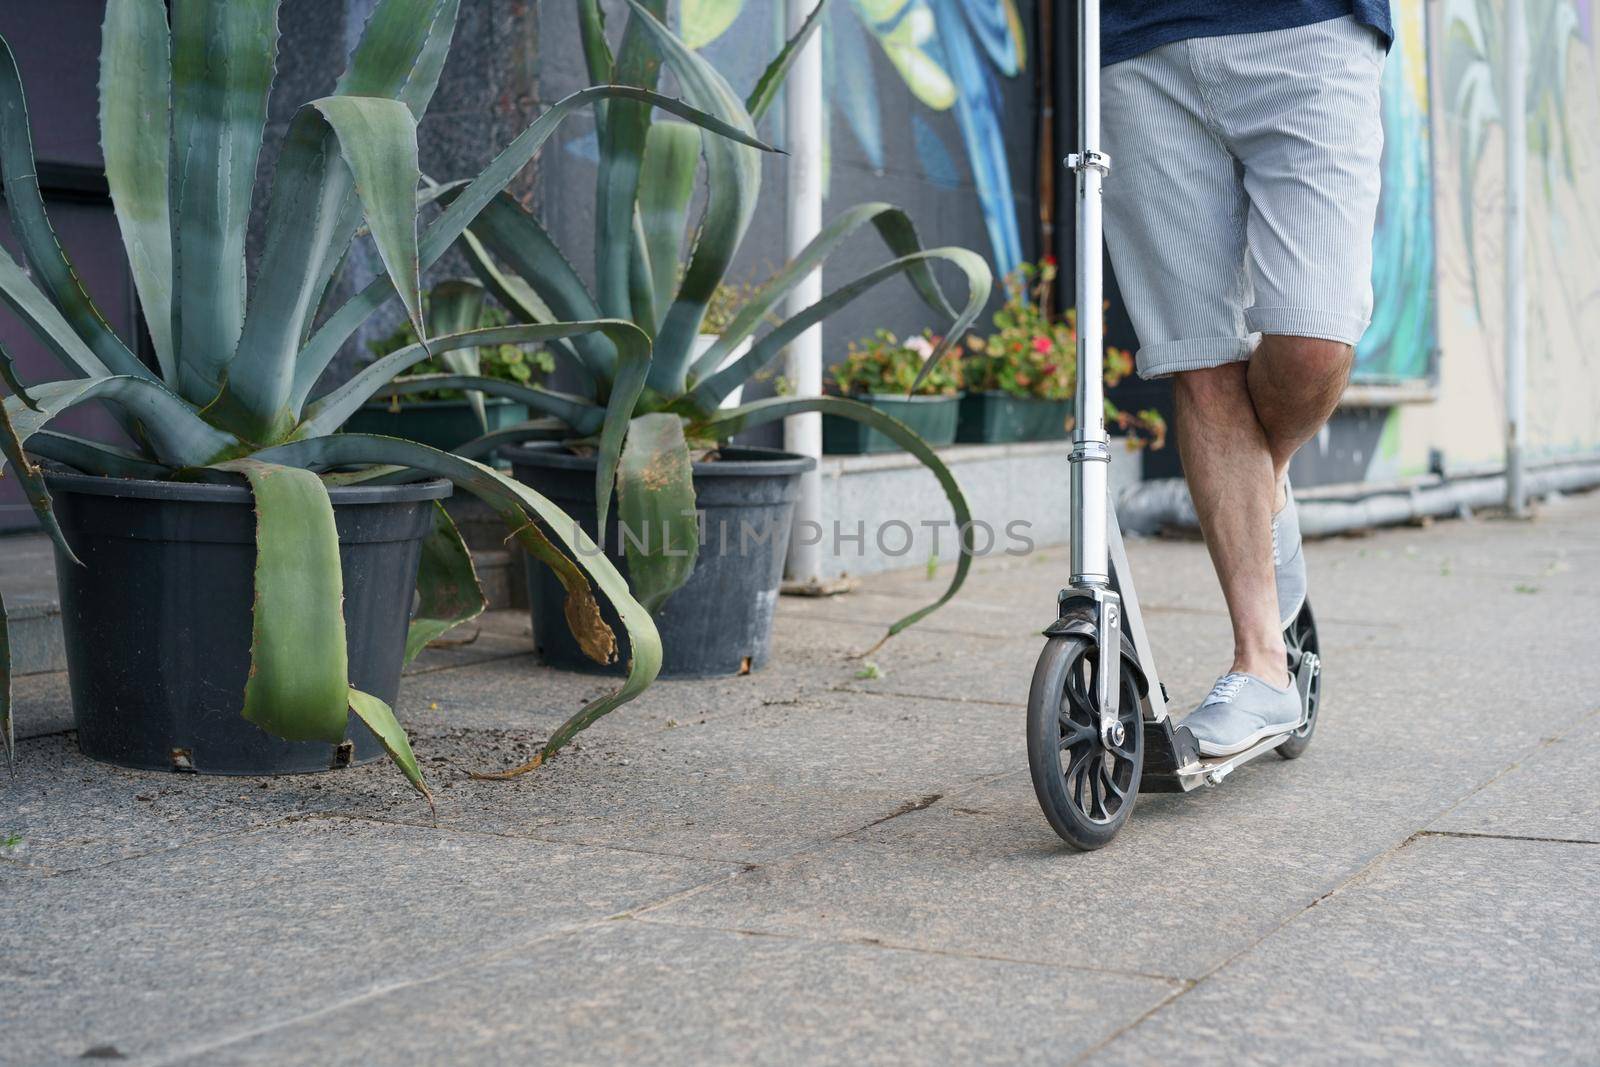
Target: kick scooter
1099	730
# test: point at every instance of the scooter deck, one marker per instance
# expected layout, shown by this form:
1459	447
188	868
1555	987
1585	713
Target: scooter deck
1173	763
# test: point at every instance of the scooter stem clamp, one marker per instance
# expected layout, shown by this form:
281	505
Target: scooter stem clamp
1089	160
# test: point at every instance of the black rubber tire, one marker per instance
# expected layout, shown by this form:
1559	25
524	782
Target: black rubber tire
1062	680
1300	637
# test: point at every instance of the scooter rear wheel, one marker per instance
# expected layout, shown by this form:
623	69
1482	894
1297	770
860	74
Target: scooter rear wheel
1085	786
1300	638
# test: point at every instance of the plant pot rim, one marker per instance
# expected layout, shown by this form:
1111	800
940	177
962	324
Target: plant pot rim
209	493
920	398
1014	396
761	462
384	405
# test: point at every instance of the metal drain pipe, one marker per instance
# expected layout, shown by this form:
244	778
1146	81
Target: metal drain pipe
1148	507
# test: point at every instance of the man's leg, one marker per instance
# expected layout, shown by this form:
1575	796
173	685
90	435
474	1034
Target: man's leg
1295	383
1238	426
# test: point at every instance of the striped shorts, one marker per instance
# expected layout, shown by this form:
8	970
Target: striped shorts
1244	182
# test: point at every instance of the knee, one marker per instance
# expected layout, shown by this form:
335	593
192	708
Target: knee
1310	359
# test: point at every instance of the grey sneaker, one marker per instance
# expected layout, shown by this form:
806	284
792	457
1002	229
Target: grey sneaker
1288	561
1241	710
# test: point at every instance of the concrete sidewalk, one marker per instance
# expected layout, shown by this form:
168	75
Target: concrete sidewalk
806	864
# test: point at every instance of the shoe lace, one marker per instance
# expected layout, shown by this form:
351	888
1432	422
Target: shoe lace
1226	689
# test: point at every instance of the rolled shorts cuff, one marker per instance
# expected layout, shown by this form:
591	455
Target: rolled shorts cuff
1306	322
1196	353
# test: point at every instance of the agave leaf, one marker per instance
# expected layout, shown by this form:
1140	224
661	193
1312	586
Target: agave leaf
40	247
641	283
32	479
541	429
379	718
298	687
707	394
46	323
671	158
726	423
894	228
401	54
315	210
448	593
525	305
331	411
94	457
378	139
453	221
176	434
8	375
455	306
622	144
596	52
509	233
771	80
136	139
655	500
222	64
733	182
515	502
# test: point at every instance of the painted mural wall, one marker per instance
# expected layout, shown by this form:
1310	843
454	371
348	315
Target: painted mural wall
1466	423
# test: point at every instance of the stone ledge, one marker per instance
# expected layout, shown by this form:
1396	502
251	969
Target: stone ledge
893	501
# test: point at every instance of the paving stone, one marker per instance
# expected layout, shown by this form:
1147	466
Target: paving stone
154	954
1450	951
1551	794
1215	869
768	782
72	812
643	993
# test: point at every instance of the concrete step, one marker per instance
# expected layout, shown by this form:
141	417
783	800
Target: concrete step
28	582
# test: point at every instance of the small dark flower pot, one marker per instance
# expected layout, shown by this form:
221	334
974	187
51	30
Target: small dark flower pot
933	418
720	622
441	424
157	621
1000	418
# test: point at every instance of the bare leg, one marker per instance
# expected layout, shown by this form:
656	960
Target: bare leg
1295	383
1238	427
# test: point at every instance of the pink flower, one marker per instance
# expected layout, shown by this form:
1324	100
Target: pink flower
920	345
1041	345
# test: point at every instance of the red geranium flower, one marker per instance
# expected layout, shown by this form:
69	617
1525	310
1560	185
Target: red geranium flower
1041	344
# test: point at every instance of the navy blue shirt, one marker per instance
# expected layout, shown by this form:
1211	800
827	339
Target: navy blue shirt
1132	27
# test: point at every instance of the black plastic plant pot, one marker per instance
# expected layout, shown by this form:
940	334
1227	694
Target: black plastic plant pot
1000	418
157	621
932	417
441	424
720	622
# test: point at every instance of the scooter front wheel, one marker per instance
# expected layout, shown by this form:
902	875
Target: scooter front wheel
1085	785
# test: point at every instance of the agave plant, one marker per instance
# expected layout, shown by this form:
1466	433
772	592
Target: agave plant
182	110
642	228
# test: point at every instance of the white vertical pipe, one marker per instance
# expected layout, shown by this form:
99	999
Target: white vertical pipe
802	434
1516	311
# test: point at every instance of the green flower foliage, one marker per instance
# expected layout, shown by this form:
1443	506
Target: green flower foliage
1033	352
883	363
